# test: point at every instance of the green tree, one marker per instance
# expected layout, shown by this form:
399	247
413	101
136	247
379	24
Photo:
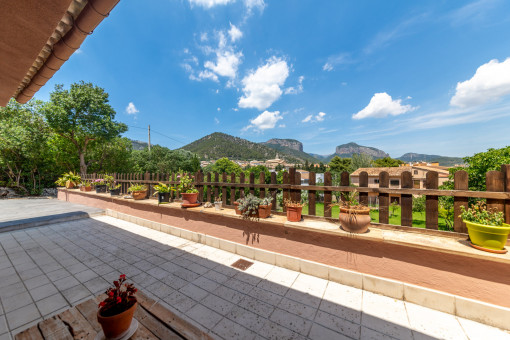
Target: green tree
256	170
419	204
224	165
339	165
481	163
114	156
387	162
162	160
82	115
360	160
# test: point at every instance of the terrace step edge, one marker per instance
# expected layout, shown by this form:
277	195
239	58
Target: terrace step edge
479	311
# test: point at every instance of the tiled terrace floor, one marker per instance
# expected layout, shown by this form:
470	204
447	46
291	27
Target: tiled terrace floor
45	270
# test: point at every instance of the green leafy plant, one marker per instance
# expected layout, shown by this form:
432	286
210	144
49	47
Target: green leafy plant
86	184
186	184
218	199
162	188
137	187
99	181
68	178
249	206
293	204
478	213
266	200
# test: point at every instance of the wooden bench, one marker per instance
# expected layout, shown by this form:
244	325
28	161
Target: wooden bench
80	322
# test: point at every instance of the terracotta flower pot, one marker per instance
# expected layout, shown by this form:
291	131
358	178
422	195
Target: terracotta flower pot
294	214
264	211
82	188
189	198
116	326
139	195
354	220
236	206
70	185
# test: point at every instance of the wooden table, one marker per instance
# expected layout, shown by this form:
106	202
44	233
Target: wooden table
80	322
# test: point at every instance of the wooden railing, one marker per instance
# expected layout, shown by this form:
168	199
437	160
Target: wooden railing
232	187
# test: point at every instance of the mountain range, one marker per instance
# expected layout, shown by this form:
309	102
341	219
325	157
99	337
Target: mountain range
218	145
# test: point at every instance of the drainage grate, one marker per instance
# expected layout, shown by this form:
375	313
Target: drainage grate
242	264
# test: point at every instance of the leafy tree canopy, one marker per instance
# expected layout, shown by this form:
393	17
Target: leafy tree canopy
387	162
481	163
224	165
339	165
360	160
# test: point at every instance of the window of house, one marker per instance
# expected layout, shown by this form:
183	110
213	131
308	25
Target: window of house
416	184
376	180
416	172
394	182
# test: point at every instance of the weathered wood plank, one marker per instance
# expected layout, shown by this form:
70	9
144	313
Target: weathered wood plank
32	333
297	193
363	183
89	311
262	180
216	186
406	200
273	191
460	182
327	194
80	327
495	181
312	194
344	181
505	169
431	202
157	329
208	190
286	192
54	328
384	198
241	182
252	182
292	181
200	188
232	189
224	189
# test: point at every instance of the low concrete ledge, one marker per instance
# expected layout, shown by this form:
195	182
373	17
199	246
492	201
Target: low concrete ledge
388	262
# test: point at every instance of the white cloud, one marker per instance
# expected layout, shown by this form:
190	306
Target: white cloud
339	59
202	75
262	86
327	67
266	120
227	63
319	117
251	4
216	120
234	33
490	83
296	90
131	109
382	105
281	125
218	109
203	36
209	3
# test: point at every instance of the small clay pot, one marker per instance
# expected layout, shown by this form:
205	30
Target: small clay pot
114	327
70	185
294	214
236	206
189	198
354	220
264	211
139	195
85	188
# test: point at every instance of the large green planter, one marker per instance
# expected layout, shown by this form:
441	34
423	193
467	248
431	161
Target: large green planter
488	236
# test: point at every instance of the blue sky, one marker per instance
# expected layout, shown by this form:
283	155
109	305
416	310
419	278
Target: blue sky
403	76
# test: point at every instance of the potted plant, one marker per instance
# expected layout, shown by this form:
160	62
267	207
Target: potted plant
100	185
485	227
138	191
163	192
116	311
249	207
187	189
218	203
114	189
294	210
354	217
265	207
86	186
69	180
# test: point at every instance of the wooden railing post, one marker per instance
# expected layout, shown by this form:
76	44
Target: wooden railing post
327	194
224	189
199	177
286	193
495	181
208	190
232	189
241	189
216	186
406	200
146	182
252	181
273	191
460	182
262	180
505	169
292	181
363	183
344	182
297	192
431	201
311	194
384	199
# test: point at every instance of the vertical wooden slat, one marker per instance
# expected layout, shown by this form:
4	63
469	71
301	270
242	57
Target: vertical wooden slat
431	201
232	189
460	182
262	180
224	189
200	188
216	186
344	182
297	192
292	181
495	181
252	181
173	194
311	194
273	191
363	183
505	169
406	201
241	189
147	178
327	194
208	187
384	199
286	192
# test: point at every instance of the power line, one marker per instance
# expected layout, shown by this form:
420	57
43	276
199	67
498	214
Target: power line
159	133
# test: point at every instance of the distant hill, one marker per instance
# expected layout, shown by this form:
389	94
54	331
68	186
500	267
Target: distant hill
139	145
290	147
442	160
218	145
347	150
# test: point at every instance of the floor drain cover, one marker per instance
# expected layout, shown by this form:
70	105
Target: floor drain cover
242	264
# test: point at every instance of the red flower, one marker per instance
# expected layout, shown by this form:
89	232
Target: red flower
119	300
110	294
122	276
102	304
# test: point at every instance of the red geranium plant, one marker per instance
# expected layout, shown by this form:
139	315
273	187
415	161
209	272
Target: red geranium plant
120	298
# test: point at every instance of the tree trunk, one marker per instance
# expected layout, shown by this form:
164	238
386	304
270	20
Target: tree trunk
83	165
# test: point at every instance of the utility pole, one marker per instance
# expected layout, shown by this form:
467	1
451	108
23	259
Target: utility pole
149	138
